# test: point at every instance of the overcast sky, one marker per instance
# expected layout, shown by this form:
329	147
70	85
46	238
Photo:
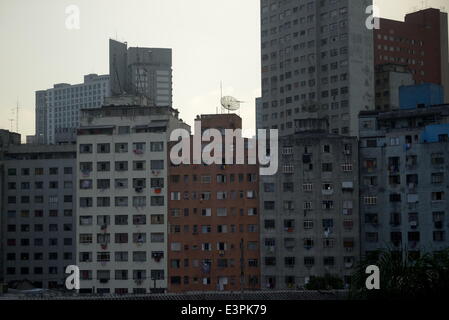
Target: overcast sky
212	41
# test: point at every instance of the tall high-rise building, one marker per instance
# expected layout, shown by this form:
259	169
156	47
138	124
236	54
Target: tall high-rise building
420	42
38	220
213	221
58	108
258	113
141	71
122	196
309	210
317	61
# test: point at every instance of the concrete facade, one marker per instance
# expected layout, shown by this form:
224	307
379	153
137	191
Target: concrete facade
389	78
403	175
258	113
317	61
58	109
122	197
309	211
38	227
141	71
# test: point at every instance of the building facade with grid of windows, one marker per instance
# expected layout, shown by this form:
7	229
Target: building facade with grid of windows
420	43
122	197
58	108
38	212
403	174
317	61
309	211
214	221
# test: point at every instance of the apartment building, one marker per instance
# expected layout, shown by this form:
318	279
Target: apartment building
420	42
309	209
141	71
38	212
403	179
122	196
389	79
58	108
214	221
317	61
7	138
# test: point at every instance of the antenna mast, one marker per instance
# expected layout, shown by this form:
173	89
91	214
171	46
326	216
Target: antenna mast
17	116
221	96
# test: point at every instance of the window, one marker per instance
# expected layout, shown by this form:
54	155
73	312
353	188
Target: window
103	201
86	148
121	166
269	187
157	201
121	201
157	146
121	220
327	167
157	237
139	219
206	212
103	148
121	147
157	164
157	182
121	256
437	196
86	202
103	166
138	165
139	147
437	178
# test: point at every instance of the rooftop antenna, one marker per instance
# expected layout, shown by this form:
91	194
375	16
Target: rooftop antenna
11	124
17	115
425	4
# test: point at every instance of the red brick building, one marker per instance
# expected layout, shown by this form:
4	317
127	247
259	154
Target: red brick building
213	221
420	42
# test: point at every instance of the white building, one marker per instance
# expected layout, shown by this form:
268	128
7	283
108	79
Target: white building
58	108
122	196
317	61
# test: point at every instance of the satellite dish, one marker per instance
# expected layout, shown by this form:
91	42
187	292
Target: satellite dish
230	103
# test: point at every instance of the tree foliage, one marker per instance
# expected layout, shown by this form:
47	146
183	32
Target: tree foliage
403	276
328	282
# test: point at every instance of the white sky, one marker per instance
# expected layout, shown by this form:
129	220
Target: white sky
212	41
